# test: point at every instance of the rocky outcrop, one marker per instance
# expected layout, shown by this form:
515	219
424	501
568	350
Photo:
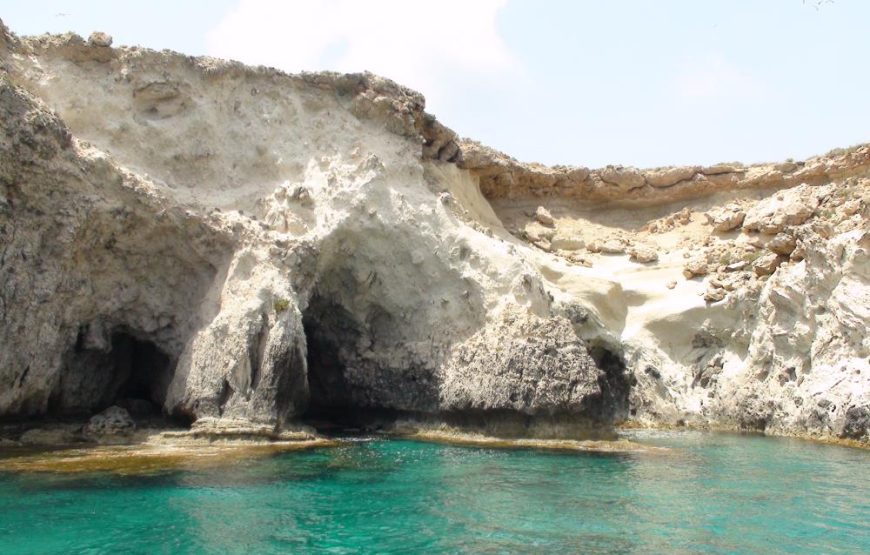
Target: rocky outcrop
238	244
503	177
243	248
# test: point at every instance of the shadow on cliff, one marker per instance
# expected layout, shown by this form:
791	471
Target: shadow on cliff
129	371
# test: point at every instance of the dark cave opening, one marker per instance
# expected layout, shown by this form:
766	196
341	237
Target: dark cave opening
334	406
327	326
615	383
131	372
342	396
142	373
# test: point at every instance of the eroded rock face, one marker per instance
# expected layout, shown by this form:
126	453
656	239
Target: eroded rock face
244	248
788	208
89	252
338	270
533	366
502	177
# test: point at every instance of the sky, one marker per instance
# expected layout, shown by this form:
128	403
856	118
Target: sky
633	82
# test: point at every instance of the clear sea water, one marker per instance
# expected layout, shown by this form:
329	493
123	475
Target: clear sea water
712	494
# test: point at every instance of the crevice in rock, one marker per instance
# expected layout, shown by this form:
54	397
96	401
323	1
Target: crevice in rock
225	394
612	405
258	354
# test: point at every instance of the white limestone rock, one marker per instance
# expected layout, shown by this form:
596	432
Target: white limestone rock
347	250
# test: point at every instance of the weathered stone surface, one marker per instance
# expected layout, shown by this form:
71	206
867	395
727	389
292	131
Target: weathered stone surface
349	253
782	243
667	177
503	177
722	168
112	421
99	38
726	219
787	208
696	267
767	263
543	216
643	253
625	178
219	282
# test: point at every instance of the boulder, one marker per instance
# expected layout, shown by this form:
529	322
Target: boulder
714	294
642	253
113	421
782	243
537	232
766	264
543	216
736	266
726	219
787	208
98	38
857	423
608	246
695	267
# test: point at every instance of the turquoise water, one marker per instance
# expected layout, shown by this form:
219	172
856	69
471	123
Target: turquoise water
712	494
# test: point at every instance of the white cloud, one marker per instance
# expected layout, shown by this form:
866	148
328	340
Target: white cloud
421	45
714	78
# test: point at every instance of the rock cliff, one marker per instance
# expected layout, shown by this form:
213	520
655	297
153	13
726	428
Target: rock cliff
227	243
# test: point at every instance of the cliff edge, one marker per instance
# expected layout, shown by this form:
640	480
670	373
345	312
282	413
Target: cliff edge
233	244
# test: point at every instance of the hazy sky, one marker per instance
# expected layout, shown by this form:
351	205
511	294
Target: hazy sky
577	82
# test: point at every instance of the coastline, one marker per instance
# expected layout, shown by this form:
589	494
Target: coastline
152	450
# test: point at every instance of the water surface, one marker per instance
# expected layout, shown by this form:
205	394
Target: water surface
711	494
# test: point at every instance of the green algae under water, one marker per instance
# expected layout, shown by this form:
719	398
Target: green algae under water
712	493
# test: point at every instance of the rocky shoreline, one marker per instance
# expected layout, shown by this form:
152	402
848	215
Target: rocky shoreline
107	441
157	450
239	249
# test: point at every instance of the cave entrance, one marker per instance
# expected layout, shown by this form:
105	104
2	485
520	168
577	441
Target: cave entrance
615	383
141	372
131	372
326	326
332	405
